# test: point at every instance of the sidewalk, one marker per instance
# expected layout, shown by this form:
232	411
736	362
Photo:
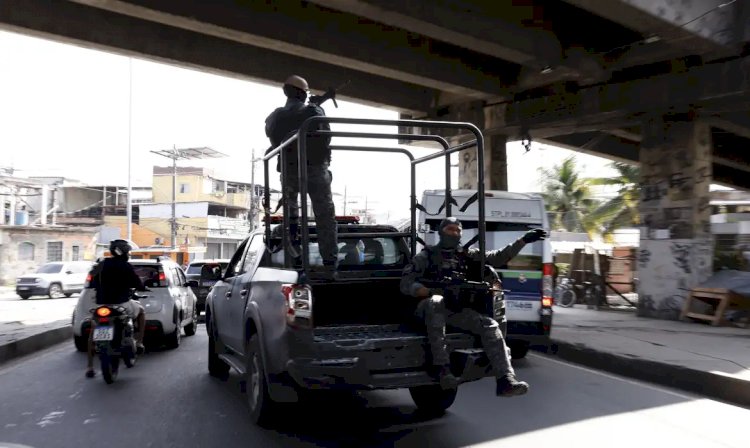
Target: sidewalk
713	361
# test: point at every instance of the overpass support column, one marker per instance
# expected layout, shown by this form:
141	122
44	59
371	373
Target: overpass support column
495	155
676	245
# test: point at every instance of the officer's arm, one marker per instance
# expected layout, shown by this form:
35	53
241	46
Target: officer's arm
499	257
413	272
270	120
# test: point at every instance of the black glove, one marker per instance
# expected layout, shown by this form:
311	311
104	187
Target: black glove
534	235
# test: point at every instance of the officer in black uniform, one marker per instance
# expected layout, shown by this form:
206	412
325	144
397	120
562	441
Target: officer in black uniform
281	124
434	263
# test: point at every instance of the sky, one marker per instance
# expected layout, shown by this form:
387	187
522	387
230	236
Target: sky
78	113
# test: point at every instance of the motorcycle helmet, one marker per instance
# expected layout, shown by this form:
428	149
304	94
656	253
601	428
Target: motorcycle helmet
119	248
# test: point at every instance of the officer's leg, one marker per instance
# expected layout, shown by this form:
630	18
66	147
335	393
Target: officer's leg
494	346
432	311
319	189
290	189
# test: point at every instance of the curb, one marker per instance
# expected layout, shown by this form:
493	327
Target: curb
31	344
726	388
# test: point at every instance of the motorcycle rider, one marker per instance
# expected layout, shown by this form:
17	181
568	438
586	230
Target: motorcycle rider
113	279
281	124
435	262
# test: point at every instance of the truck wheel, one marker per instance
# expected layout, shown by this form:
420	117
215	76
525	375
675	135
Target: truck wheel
518	349
433	399
216	367
24	296
262	407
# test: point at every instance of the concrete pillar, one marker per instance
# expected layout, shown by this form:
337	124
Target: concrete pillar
676	243
495	155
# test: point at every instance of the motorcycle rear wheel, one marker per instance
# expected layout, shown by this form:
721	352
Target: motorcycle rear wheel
109	366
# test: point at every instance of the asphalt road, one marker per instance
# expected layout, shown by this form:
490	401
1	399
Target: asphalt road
169	400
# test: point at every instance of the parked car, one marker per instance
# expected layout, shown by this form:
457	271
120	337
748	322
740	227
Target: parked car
170	305
193	273
54	279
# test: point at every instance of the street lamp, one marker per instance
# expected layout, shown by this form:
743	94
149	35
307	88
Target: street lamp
183	154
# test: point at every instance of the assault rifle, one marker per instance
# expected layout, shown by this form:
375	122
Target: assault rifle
329	95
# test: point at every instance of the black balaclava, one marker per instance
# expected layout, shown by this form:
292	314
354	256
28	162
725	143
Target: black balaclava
448	242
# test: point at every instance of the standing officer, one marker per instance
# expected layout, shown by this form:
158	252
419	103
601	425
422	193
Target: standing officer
281	124
434	263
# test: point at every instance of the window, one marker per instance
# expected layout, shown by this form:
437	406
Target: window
256	248
184	188
234	264
149	275
181	275
25	251
176	277
54	251
75	253
51	268
357	254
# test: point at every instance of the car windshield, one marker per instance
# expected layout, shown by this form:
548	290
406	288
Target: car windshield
359	254
49	269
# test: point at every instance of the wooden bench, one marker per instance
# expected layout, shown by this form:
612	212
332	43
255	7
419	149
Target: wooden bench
722	300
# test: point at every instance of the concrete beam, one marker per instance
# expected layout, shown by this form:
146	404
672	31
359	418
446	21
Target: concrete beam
721	86
702	26
96	28
487	31
322	35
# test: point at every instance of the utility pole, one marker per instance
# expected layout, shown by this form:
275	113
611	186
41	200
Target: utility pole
253	202
174	198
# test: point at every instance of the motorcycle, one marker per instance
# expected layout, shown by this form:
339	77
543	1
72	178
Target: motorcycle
114	338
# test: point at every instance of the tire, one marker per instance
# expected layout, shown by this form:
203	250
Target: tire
216	367
109	366
24	296
262	408
55	290
568	298
518	349
191	327
68	294
173	339
432	399
81	343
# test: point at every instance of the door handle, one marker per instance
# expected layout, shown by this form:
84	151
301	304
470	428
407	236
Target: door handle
229	294
243	292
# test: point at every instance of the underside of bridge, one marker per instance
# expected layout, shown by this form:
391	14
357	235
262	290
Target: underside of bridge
661	83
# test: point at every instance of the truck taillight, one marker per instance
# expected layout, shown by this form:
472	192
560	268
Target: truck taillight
547	272
298	304
88	280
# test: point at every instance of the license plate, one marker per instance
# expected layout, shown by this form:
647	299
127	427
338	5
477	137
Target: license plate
209	283
104	333
23	288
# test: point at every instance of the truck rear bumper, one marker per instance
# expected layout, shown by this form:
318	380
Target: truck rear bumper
352	373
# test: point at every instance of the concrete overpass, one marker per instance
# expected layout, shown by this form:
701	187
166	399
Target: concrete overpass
663	83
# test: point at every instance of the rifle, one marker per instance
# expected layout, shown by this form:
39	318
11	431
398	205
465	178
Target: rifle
459	293
329	95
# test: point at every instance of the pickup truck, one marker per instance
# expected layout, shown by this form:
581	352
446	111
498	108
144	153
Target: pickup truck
287	332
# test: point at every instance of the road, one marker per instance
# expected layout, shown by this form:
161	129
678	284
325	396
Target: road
169	400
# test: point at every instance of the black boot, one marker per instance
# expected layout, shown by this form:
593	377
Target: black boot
444	375
509	386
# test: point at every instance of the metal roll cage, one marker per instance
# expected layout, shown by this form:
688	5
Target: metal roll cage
306	130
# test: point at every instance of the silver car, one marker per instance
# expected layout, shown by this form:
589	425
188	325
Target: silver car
170	305
54	279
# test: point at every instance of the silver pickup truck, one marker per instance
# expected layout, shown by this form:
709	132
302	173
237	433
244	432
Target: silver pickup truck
286	333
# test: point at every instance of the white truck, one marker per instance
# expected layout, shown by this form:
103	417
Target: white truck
527	278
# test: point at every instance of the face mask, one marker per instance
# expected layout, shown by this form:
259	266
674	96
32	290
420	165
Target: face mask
449	241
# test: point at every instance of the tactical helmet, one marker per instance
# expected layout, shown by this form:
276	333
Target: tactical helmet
298	82
449	241
119	248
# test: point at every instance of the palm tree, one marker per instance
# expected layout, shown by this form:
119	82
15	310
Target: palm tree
621	210
568	198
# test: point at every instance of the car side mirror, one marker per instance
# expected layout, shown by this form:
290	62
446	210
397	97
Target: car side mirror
192	283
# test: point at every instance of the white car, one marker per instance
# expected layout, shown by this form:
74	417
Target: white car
54	279
170	305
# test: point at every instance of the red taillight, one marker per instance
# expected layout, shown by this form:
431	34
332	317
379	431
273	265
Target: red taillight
104	320
547	273
89	277
162	276
548	269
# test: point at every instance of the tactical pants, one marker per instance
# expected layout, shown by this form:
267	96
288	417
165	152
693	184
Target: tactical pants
436	316
319	188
